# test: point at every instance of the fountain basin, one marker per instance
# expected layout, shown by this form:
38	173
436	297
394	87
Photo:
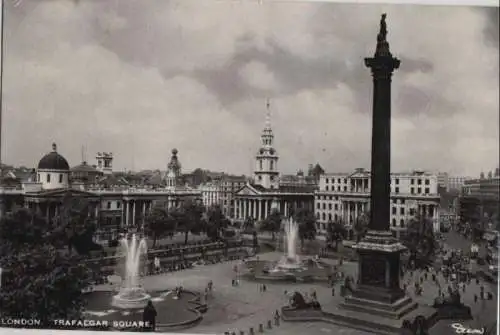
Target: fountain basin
173	314
305	271
130	298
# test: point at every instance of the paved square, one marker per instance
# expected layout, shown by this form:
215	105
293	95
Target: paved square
239	308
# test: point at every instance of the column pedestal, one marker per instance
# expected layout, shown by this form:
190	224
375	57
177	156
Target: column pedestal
378	297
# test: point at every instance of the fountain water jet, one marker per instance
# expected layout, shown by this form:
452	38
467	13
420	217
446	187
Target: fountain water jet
131	294
290	260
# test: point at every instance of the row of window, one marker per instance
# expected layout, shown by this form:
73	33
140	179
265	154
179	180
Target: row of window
396	181
396	190
336	208
61	178
330	217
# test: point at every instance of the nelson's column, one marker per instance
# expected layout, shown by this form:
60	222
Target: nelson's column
378	296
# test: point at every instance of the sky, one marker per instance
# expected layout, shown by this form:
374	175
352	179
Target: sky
141	77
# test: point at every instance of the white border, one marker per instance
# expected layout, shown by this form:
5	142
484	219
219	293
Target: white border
487	3
478	3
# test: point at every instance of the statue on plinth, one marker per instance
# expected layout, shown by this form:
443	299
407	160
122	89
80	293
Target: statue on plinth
382	35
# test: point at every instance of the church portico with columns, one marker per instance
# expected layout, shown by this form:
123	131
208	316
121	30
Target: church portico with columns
255	202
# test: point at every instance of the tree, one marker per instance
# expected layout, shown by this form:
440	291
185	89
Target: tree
189	218
249	224
420	241
307	224
39	281
272	223
78	227
361	225
335	232
158	223
215	222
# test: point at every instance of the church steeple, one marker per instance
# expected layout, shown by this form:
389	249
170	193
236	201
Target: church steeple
267	136
266	170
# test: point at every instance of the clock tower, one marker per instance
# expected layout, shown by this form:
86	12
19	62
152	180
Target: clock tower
266	161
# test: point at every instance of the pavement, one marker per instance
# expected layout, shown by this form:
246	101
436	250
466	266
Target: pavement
239	308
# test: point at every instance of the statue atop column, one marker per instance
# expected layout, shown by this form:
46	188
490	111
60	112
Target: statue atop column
382	35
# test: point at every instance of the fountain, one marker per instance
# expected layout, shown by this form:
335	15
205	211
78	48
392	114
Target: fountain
290	267
131	294
290	260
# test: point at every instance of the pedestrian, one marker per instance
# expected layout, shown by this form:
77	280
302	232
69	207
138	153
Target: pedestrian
149	317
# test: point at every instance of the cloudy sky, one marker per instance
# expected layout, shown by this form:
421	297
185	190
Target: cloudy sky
140	77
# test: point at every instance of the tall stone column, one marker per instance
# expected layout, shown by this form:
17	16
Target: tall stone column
379	252
266	210
244	209
133	212
122	223
143	212
382	66
127	213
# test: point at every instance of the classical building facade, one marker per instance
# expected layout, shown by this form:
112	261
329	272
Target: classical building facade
268	190
116	203
346	196
480	199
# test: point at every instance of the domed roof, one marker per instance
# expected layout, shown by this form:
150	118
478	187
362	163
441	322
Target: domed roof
53	161
84	167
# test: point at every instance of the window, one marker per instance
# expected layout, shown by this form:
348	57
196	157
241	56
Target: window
402	223
419	190
260	178
345	188
330	206
330	216
397	181
412	181
419	181
336	207
324	216
427	191
412	211
326	188
327	180
427	182
109	205
118	204
60	178
397	189
394	222
48	177
402	211
412	190
338	188
324	206
318	206
402	201
317	215
271	165
393	210
336	217
339	180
